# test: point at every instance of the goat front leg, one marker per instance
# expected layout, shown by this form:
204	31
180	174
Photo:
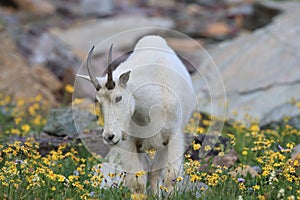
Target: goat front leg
132	163
157	170
175	161
168	164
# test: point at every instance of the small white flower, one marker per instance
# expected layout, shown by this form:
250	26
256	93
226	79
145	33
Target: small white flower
280	193
240	197
272	177
20	162
76	173
92	194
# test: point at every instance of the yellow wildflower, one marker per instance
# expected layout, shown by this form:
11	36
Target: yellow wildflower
290	145
69	88
163	188
111	175
15	131
73	177
78	185
256	187
221	154
38	98
85	196
187	156
140	173
32	111
261	197
194	178
217	148
18	120
25	128
207	148
213	179
231	136
254	128
196	146
37	120
179	178
60	178
292	197
20	103
200	130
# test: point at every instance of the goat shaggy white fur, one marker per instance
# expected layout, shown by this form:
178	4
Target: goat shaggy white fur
148	106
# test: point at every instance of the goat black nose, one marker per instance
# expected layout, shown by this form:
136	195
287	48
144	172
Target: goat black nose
110	137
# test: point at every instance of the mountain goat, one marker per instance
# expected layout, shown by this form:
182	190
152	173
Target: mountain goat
146	102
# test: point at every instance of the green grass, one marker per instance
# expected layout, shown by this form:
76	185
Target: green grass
68	171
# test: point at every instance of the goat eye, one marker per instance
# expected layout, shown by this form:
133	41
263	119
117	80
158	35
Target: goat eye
118	99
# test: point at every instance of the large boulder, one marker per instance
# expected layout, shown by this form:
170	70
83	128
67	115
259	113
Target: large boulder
82	37
66	122
21	81
40	47
260	71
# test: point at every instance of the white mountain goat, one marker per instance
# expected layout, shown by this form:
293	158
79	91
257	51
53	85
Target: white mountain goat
146	102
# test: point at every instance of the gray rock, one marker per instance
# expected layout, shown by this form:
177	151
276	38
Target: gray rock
66	122
83	37
295	122
96	7
292	121
20	81
40	47
260	71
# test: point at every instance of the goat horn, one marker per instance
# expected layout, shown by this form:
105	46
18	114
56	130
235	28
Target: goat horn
110	83
93	79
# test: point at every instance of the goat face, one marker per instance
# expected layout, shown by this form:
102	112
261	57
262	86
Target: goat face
117	107
116	100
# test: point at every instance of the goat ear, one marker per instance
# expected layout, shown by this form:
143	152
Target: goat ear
123	79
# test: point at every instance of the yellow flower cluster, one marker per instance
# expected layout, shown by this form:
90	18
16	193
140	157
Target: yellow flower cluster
25	169
267	149
28	115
